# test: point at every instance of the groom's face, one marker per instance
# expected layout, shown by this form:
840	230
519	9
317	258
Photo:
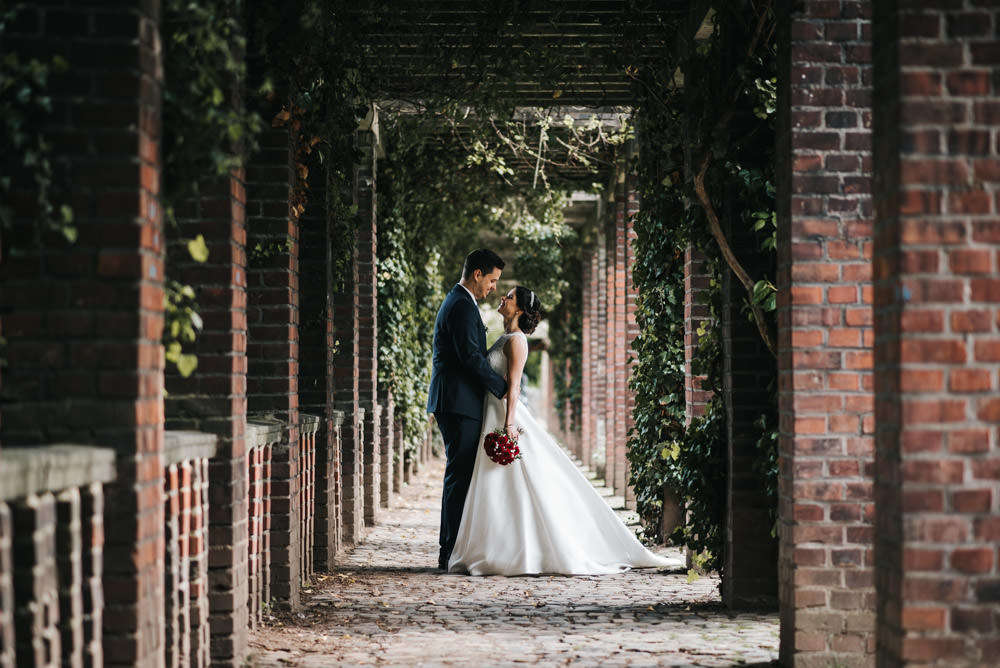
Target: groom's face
485	283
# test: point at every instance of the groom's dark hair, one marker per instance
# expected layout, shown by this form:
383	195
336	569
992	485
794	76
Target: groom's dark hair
484	260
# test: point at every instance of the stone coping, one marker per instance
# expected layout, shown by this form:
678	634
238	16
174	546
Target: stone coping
180	446
308	424
262	430
313	410
52	468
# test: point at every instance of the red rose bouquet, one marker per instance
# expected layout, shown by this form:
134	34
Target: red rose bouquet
500	447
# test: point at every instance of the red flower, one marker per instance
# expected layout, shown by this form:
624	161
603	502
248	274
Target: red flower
500	447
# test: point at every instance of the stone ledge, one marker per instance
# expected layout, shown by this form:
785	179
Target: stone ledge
335	416
180	446
263	430
308	424
51	468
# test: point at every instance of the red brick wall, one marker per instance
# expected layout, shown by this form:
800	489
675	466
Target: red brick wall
937	193
69	567
187	613
260	442
51	546
83	339
36	617
308	427
826	579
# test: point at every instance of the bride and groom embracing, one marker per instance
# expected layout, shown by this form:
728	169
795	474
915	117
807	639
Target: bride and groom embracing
538	514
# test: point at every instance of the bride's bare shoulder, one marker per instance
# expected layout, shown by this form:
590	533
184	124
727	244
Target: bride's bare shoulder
515	341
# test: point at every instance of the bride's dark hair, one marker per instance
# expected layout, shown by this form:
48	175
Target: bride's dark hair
528	302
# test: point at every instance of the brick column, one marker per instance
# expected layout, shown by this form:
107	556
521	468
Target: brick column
329	530
613	352
366	199
273	350
588	295
696	314
631	329
599	351
8	657
400	459
347	396
826	425
388	440
213	399
316	382
83	349
937	357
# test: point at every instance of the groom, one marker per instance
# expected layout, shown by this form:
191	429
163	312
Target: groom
459	376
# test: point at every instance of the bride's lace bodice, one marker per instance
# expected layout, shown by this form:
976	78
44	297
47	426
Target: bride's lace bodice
495	355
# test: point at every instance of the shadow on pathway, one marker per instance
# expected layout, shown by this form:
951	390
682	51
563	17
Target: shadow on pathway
389	606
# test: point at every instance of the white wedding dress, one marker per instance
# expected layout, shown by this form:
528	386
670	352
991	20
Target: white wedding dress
538	514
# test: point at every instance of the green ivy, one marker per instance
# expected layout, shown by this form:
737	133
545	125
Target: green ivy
24	101
208	131
725	110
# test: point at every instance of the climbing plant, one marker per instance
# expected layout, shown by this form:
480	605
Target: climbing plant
25	102
207	132
707	154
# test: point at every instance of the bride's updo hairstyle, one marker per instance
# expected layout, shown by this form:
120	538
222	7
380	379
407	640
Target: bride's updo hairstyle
528	302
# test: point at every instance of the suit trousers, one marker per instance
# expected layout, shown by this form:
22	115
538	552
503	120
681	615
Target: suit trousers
461	443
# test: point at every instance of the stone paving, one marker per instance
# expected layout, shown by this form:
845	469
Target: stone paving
388	605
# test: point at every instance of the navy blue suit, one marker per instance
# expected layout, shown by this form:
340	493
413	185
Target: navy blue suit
460	375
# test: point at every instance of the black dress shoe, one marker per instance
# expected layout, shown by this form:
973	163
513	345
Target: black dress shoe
443	564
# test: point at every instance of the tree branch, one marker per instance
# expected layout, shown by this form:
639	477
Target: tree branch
727	252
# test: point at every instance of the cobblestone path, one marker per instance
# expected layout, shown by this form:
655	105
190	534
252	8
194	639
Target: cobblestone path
388	605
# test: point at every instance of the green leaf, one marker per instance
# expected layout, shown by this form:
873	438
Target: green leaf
198	249
186	364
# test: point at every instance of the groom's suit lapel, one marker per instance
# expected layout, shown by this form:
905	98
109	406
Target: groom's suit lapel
462	293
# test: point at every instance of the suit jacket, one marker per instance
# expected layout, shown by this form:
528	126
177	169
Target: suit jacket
460	372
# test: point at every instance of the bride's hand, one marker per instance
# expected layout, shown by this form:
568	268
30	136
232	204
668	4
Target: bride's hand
512	431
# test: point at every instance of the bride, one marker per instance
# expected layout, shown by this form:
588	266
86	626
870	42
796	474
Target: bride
538	514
